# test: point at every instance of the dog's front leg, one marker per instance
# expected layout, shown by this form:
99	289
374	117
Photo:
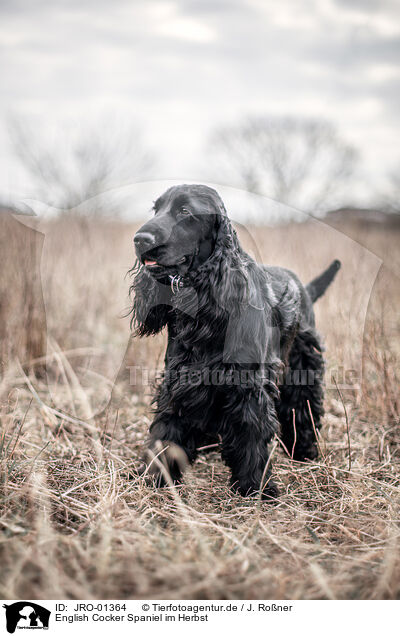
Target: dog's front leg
247	428
170	450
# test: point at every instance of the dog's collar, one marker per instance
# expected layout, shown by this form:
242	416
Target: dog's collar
177	283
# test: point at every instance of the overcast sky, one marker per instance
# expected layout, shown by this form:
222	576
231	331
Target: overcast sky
177	69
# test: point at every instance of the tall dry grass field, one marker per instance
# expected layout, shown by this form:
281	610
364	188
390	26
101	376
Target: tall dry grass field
72	522
22	315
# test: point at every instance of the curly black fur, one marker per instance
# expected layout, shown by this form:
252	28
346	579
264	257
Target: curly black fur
239	334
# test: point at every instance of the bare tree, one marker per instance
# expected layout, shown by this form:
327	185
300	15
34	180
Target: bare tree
302	163
79	167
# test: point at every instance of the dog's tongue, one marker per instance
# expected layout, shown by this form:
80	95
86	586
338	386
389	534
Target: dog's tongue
148	262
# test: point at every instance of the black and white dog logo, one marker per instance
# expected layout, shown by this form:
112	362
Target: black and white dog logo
26	615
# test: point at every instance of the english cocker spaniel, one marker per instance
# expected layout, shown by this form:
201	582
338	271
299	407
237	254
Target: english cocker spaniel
243	360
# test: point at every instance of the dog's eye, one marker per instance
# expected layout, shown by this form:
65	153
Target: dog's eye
184	211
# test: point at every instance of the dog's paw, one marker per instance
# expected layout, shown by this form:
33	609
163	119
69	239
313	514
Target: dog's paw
165	463
269	492
306	454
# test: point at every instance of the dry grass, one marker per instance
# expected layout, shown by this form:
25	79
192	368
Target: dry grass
22	316
72	523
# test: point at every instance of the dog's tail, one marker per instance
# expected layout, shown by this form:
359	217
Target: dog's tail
317	287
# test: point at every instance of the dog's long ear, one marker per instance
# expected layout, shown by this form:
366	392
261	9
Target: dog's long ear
229	278
251	336
151	303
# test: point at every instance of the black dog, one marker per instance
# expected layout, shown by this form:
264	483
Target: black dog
243	354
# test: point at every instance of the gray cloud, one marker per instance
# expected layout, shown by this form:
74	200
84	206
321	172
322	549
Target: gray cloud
183	67
369	6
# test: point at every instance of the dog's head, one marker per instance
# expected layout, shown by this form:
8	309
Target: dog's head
183	231
190	239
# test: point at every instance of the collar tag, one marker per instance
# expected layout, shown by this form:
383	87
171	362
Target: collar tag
176	283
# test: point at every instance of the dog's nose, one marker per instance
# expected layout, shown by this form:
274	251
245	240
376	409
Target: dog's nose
144	241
